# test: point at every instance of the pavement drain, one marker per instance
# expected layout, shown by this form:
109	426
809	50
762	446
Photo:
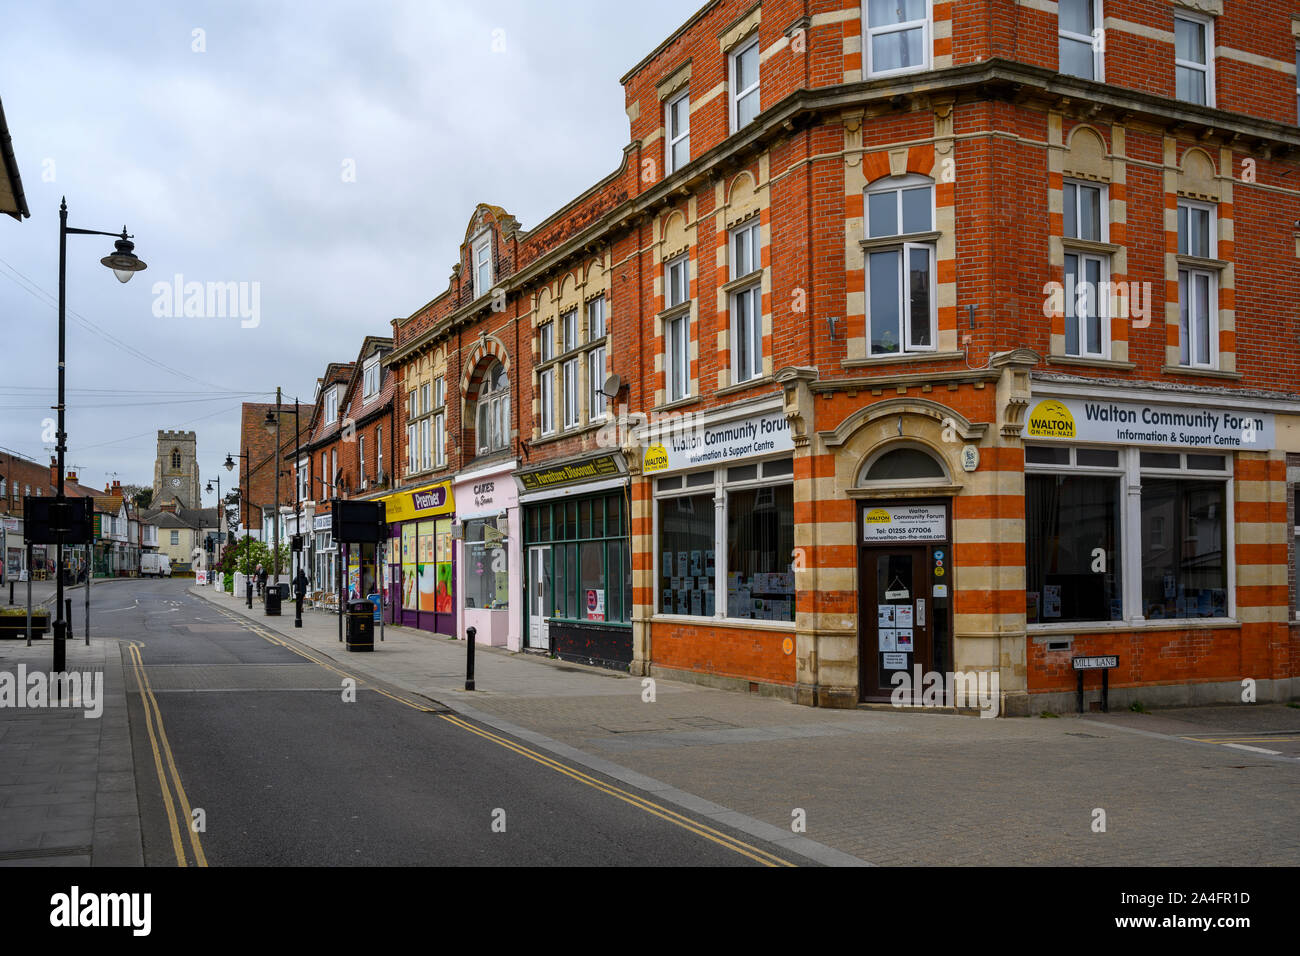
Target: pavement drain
633	727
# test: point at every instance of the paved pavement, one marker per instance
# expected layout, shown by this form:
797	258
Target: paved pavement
882	787
67	789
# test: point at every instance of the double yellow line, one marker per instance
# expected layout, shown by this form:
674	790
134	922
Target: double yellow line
641	803
161	749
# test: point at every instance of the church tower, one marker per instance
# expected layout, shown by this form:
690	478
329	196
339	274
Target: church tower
176	471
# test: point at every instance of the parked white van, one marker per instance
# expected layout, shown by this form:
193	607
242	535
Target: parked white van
155	565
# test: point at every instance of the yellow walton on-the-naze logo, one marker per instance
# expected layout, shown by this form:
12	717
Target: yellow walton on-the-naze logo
1051	419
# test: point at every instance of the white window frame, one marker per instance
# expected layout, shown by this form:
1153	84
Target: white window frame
379	453
412	449
361	460
1207	24
751	334
1212	227
175	538
426	445
546	336
1102	304
734	95
331	406
546	398
478	261
670	267
1103	207
687	486
1130	470
927	41
597	404
496	422
440	439
596	319
370	379
569	331
677	359
334	471
569	383
683	135
897	186
426	391
1098	48
439	391
1211	317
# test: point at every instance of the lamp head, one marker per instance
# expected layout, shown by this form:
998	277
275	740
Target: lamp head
124	262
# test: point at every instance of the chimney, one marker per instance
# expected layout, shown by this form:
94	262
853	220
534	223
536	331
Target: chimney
72	477
54	472
117	489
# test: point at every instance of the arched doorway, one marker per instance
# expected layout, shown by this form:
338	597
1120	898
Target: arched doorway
904	562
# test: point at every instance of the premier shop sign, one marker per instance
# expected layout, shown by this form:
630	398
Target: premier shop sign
1142	423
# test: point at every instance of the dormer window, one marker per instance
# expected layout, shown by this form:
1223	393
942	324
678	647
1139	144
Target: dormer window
331	406
482	259
370	378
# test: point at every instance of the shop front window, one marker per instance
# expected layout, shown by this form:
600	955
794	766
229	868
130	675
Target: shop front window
1078	517
735	566
1073	522
591	577
487	579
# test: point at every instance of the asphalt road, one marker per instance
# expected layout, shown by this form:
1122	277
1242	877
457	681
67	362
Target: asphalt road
278	769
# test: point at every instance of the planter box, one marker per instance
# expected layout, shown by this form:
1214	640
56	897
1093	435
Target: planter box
15	625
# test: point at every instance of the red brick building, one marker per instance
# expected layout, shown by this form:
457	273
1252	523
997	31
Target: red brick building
948	336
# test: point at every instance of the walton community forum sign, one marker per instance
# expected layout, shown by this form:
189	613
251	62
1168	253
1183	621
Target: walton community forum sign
1142	423
692	446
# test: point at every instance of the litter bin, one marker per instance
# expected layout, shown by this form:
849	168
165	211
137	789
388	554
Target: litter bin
361	626
272	595
284	591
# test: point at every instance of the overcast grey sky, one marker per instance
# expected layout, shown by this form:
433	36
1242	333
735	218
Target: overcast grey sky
229	165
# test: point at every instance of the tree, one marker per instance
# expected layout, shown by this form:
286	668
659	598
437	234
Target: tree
140	495
243	556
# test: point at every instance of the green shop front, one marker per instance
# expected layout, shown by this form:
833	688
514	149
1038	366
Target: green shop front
577	550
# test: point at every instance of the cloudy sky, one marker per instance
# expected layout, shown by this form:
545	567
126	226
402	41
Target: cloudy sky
327	154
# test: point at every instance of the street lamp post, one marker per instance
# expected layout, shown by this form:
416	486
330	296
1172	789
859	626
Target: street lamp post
124	263
272	425
221	515
248	551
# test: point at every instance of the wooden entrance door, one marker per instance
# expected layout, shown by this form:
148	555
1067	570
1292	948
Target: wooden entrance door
896	616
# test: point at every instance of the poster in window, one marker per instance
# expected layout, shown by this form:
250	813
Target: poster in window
1051	600
442	598
710	564
595	604
884	615
697	602
683	602
681	564
887	639
894	662
710	607
697	564
428	586
903	615
903	639
666	565
667	602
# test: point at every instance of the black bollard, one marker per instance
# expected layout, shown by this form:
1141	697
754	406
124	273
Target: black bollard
469	658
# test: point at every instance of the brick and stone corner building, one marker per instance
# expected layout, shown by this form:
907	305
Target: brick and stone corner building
949	336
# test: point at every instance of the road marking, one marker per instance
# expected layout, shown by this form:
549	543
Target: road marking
1258	750
686	823
149	700
671	816
157	761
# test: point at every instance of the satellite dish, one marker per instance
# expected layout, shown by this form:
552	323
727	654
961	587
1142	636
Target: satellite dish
612	385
